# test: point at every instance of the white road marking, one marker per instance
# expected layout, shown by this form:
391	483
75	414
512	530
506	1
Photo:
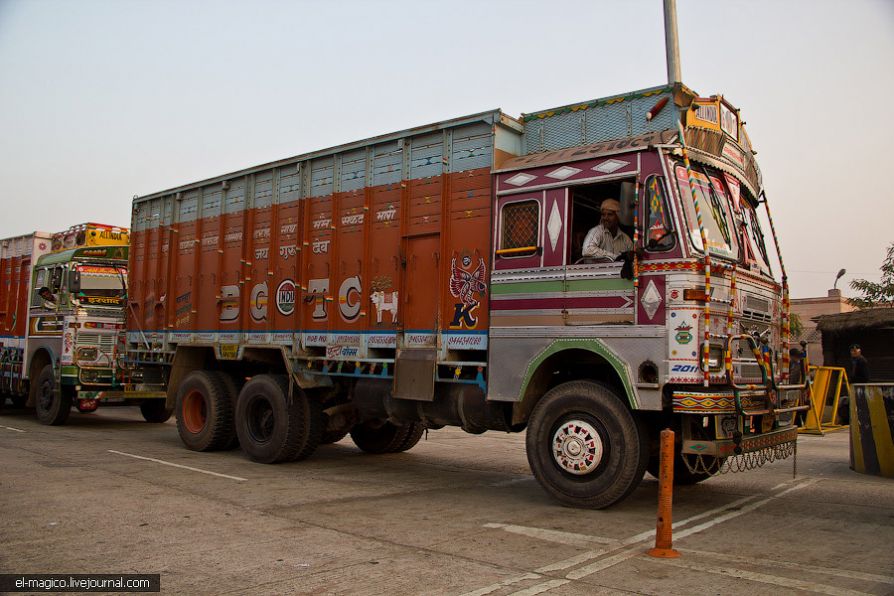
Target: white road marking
167	463
858	575
785	582
740	507
743	510
18	430
573	561
540	588
502	584
558	536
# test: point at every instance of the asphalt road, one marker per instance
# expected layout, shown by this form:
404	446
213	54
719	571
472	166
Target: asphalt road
458	514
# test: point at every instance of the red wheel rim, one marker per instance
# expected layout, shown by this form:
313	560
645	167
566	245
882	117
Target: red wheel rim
194	412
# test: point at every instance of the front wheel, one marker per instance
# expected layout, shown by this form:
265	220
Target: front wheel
51	406
584	446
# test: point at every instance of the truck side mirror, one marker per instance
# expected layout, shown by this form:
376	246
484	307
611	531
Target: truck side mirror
628	203
74	281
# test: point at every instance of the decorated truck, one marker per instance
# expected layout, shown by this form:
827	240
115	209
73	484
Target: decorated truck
437	276
62	300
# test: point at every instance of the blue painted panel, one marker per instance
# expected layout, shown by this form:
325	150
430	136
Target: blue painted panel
473	147
235	197
563	131
666	118
167	217
426	155
387	162
532	137
263	194
321	177
352	173
608	122
140	220
211	199
189	207
289	187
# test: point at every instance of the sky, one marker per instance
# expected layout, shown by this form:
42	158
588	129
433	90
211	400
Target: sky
101	100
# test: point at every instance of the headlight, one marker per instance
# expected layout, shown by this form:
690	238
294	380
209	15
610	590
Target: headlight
88	354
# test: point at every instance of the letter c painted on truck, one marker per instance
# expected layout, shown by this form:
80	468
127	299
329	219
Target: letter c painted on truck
350	298
258	304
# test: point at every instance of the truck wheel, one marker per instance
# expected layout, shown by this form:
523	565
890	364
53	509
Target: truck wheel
19	401
205	411
384	437
52	407
584	446
682	475
271	429
155	411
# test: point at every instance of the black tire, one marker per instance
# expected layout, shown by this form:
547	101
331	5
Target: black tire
272	430
18	401
682	475
154	411
51	407
385	437
204	410
584	426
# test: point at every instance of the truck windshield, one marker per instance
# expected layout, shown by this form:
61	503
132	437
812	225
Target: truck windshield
715	212
102	281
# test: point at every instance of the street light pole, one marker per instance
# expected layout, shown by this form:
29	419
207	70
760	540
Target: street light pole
671	42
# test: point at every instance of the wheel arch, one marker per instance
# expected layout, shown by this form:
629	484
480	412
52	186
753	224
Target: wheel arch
569	360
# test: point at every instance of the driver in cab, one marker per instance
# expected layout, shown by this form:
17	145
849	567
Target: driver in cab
607	240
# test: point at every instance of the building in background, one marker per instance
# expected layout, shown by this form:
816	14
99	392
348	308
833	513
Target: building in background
807	310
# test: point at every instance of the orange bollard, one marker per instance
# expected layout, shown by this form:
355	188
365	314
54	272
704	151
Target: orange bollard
664	530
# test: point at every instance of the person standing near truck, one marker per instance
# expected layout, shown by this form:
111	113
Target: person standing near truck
859	372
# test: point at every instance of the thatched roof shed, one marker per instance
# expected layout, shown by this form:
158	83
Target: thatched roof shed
872	328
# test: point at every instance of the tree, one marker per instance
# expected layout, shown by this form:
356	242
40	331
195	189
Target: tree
796	327
876	294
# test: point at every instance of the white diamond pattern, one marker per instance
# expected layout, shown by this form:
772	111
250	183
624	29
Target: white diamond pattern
651	299
610	165
562	173
554	225
520	179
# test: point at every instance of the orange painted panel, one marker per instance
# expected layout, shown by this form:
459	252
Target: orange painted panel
185	281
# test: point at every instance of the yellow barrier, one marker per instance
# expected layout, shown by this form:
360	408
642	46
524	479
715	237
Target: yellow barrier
825	392
872	429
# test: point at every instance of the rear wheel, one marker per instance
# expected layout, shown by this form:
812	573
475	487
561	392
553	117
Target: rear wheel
382	436
271	429
205	410
155	411
584	446
51	406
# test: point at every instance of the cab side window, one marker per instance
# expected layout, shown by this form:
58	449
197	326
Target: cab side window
519	229
659	231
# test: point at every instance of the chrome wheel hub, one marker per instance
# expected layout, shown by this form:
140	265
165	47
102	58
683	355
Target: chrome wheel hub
577	447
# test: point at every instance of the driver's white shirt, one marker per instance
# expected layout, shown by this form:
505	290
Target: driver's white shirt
600	243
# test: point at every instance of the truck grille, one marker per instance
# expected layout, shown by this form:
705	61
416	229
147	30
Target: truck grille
104	341
757	309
